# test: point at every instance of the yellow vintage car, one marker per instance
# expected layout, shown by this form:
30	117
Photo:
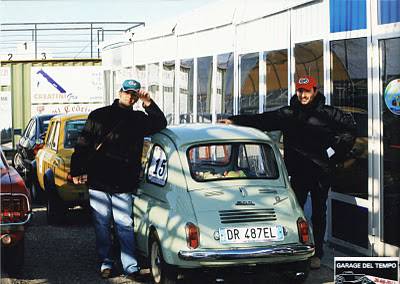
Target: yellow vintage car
52	167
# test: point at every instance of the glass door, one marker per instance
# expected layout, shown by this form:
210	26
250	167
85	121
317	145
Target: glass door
388	208
350	202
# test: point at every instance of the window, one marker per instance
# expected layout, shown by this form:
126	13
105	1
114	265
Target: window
73	128
309	61
232	161
54	144
168	99
32	131
204	80
277	79
186	91
390	112
153	80
347	15
140	75
350	93
50	135
389	11
224	101
249	78
28	128
158	166
44	124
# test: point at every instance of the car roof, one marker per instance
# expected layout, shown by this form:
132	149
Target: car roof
69	116
43	116
201	132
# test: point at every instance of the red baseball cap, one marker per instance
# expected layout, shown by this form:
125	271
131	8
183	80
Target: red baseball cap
306	83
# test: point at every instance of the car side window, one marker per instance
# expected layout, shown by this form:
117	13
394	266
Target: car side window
27	129
157	172
147	145
32	130
49	137
54	143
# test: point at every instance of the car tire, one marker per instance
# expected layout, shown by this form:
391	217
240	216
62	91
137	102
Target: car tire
54	205
160	271
14	257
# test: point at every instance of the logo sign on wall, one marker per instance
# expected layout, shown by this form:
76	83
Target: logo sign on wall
63	108
392	96
67	84
367	270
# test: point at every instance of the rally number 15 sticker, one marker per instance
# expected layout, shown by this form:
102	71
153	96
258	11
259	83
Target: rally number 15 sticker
158	167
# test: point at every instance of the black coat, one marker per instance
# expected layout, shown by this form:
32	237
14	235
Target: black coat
116	165
309	130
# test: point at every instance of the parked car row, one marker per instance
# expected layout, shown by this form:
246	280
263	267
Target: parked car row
211	196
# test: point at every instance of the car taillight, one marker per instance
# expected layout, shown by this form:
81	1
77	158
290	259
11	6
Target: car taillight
14	209
302	227
36	148
192	235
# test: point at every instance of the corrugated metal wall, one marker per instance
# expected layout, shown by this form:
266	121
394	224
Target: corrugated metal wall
20	87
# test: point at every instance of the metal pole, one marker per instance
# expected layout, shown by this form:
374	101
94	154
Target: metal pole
98	43
35	41
91	40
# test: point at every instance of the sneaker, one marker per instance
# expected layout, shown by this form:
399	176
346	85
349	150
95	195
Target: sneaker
315	262
105	273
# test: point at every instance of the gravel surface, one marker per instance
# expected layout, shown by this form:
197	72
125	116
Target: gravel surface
66	254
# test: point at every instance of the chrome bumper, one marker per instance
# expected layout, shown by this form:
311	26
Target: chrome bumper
7	226
270	252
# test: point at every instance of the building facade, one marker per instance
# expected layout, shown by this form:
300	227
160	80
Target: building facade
234	57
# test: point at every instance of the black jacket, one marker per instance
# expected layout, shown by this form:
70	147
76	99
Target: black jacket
308	132
116	165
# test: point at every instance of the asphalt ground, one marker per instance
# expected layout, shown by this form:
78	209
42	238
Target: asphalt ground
66	254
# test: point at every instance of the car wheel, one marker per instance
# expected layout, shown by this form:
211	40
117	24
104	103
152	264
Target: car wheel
160	271
17	162
55	207
14	257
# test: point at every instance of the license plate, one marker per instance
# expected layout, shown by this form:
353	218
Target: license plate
239	235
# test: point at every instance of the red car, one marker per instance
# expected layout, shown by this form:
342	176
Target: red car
14	216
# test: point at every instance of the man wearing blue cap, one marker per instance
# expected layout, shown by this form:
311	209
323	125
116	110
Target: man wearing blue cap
107	157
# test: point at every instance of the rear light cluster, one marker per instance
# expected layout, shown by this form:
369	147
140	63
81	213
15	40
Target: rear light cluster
14	208
192	235
302	227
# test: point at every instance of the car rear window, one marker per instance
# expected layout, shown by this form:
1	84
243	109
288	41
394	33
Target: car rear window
44	123
232	161
72	130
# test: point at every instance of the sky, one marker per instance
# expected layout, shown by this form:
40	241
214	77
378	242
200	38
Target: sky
56	11
17	11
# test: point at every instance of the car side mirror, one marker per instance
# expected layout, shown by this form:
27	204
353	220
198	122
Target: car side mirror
18	131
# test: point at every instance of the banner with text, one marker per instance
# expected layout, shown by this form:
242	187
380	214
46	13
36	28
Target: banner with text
67	84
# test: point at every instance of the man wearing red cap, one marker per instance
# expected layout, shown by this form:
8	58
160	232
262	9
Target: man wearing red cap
316	137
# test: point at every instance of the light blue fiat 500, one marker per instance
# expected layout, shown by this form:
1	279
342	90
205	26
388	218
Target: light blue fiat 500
215	197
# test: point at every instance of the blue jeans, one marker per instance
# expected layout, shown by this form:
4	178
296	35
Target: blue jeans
118	207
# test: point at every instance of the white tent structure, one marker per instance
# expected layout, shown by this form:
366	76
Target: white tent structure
243	56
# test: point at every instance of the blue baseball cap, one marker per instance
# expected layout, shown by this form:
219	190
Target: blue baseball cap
130	85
